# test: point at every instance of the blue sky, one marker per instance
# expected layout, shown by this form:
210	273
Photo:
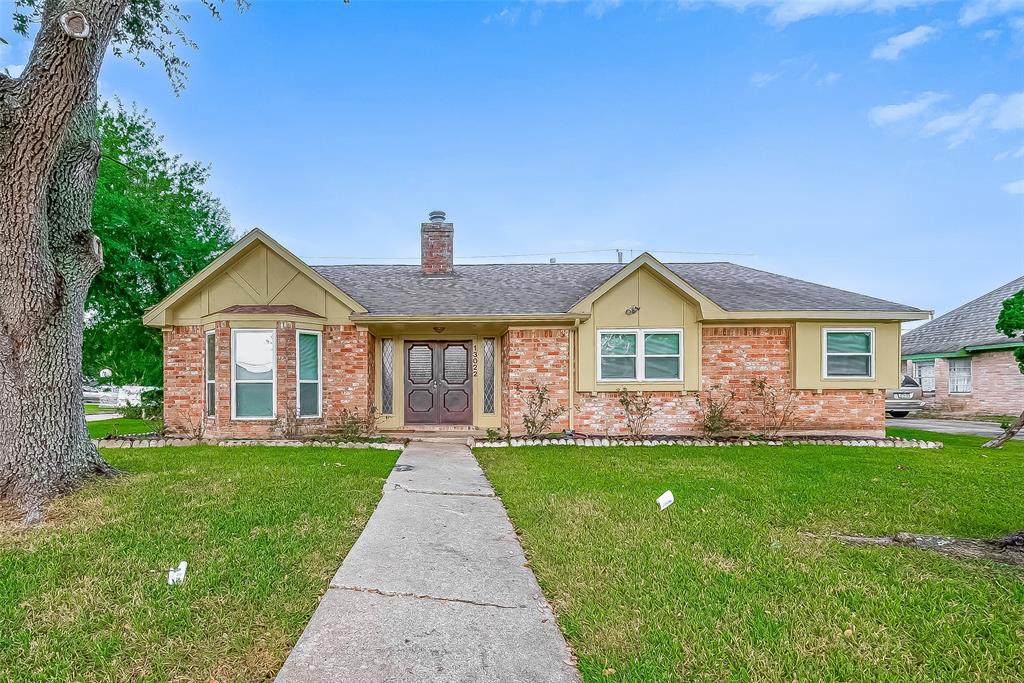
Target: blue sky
874	145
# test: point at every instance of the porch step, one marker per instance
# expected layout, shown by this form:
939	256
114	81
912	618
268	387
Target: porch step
438	435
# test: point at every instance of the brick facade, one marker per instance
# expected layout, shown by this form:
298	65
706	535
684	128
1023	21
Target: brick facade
997	386
533	358
731	358
347	382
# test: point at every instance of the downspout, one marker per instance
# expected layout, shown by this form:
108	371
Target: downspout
573	337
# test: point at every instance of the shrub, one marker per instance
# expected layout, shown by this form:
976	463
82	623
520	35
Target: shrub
153	404
774	406
637	407
353	425
540	411
712	411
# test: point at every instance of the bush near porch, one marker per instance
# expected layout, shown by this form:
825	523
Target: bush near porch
85	595
722	586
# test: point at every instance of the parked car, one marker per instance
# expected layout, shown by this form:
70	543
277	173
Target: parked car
104	394
905	400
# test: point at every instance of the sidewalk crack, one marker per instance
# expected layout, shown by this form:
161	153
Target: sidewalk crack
400	487
417	596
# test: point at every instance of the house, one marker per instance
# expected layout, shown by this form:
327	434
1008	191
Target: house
963	363
260	344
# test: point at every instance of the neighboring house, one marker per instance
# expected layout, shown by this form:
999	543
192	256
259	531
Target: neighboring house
259	343
963	363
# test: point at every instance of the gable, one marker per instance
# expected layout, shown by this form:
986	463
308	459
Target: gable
255	272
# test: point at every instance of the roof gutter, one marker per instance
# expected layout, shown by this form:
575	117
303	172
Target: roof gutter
563	318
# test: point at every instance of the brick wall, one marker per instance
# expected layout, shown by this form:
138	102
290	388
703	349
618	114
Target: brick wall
997	386
347	382
731	357
183	379
533	358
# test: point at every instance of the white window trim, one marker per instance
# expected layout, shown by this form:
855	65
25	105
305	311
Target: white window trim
273	379
319	374
207	381
825	354
641	353
949	377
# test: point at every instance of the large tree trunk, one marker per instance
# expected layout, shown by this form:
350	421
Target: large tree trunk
49	153
1010	432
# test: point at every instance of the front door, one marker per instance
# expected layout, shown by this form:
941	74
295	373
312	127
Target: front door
438	383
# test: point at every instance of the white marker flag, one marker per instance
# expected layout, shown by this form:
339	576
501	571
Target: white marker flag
665	499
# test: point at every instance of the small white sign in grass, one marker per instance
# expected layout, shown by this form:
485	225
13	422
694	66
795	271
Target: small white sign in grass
177	574
665	499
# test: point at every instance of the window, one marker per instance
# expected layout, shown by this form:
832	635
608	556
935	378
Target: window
959	375
924	373
309	374
211	373
253	374
640	355
489	375
387	376
849	354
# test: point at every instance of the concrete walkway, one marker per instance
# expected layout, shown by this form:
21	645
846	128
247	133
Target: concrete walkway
969	427
98	417
435	589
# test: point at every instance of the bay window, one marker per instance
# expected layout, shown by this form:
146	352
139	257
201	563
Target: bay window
253	374
309	374
640	355
849	353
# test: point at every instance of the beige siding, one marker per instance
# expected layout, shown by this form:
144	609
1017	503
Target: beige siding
809	372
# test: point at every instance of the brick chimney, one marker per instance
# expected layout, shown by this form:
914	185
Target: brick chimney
436	244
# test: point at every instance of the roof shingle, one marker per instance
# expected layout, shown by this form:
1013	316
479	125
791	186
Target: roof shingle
973	324
528	288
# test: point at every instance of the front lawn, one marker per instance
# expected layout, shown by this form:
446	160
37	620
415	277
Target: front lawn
85	595
722	585
117	426
94	409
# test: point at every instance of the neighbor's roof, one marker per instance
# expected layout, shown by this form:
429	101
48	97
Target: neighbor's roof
521	288
973	324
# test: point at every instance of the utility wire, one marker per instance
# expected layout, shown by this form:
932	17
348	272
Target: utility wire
539	253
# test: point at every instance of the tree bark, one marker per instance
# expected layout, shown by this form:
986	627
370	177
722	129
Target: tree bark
49	152
1007	435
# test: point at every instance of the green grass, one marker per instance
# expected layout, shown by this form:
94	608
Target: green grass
93	409
722	585
117	426
85	595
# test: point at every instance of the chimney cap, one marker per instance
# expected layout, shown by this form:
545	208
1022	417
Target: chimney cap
437	216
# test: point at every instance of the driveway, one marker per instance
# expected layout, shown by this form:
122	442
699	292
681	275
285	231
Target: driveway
435	589
969	427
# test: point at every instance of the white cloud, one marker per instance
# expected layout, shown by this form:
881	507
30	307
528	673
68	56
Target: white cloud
761	79
891	49
888	114
1010	154
783	12
829	79
507	15
598	8
996	112
14	70
1016	187
990	34
980	10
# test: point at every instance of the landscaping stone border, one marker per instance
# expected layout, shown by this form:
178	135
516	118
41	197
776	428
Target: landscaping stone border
158	443
797	441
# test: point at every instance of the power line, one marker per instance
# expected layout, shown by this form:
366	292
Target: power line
539	253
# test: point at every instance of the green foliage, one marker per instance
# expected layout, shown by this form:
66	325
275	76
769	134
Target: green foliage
147	26
713	411
636	407
1011	323
158	226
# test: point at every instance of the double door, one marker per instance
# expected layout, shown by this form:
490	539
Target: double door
438	382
